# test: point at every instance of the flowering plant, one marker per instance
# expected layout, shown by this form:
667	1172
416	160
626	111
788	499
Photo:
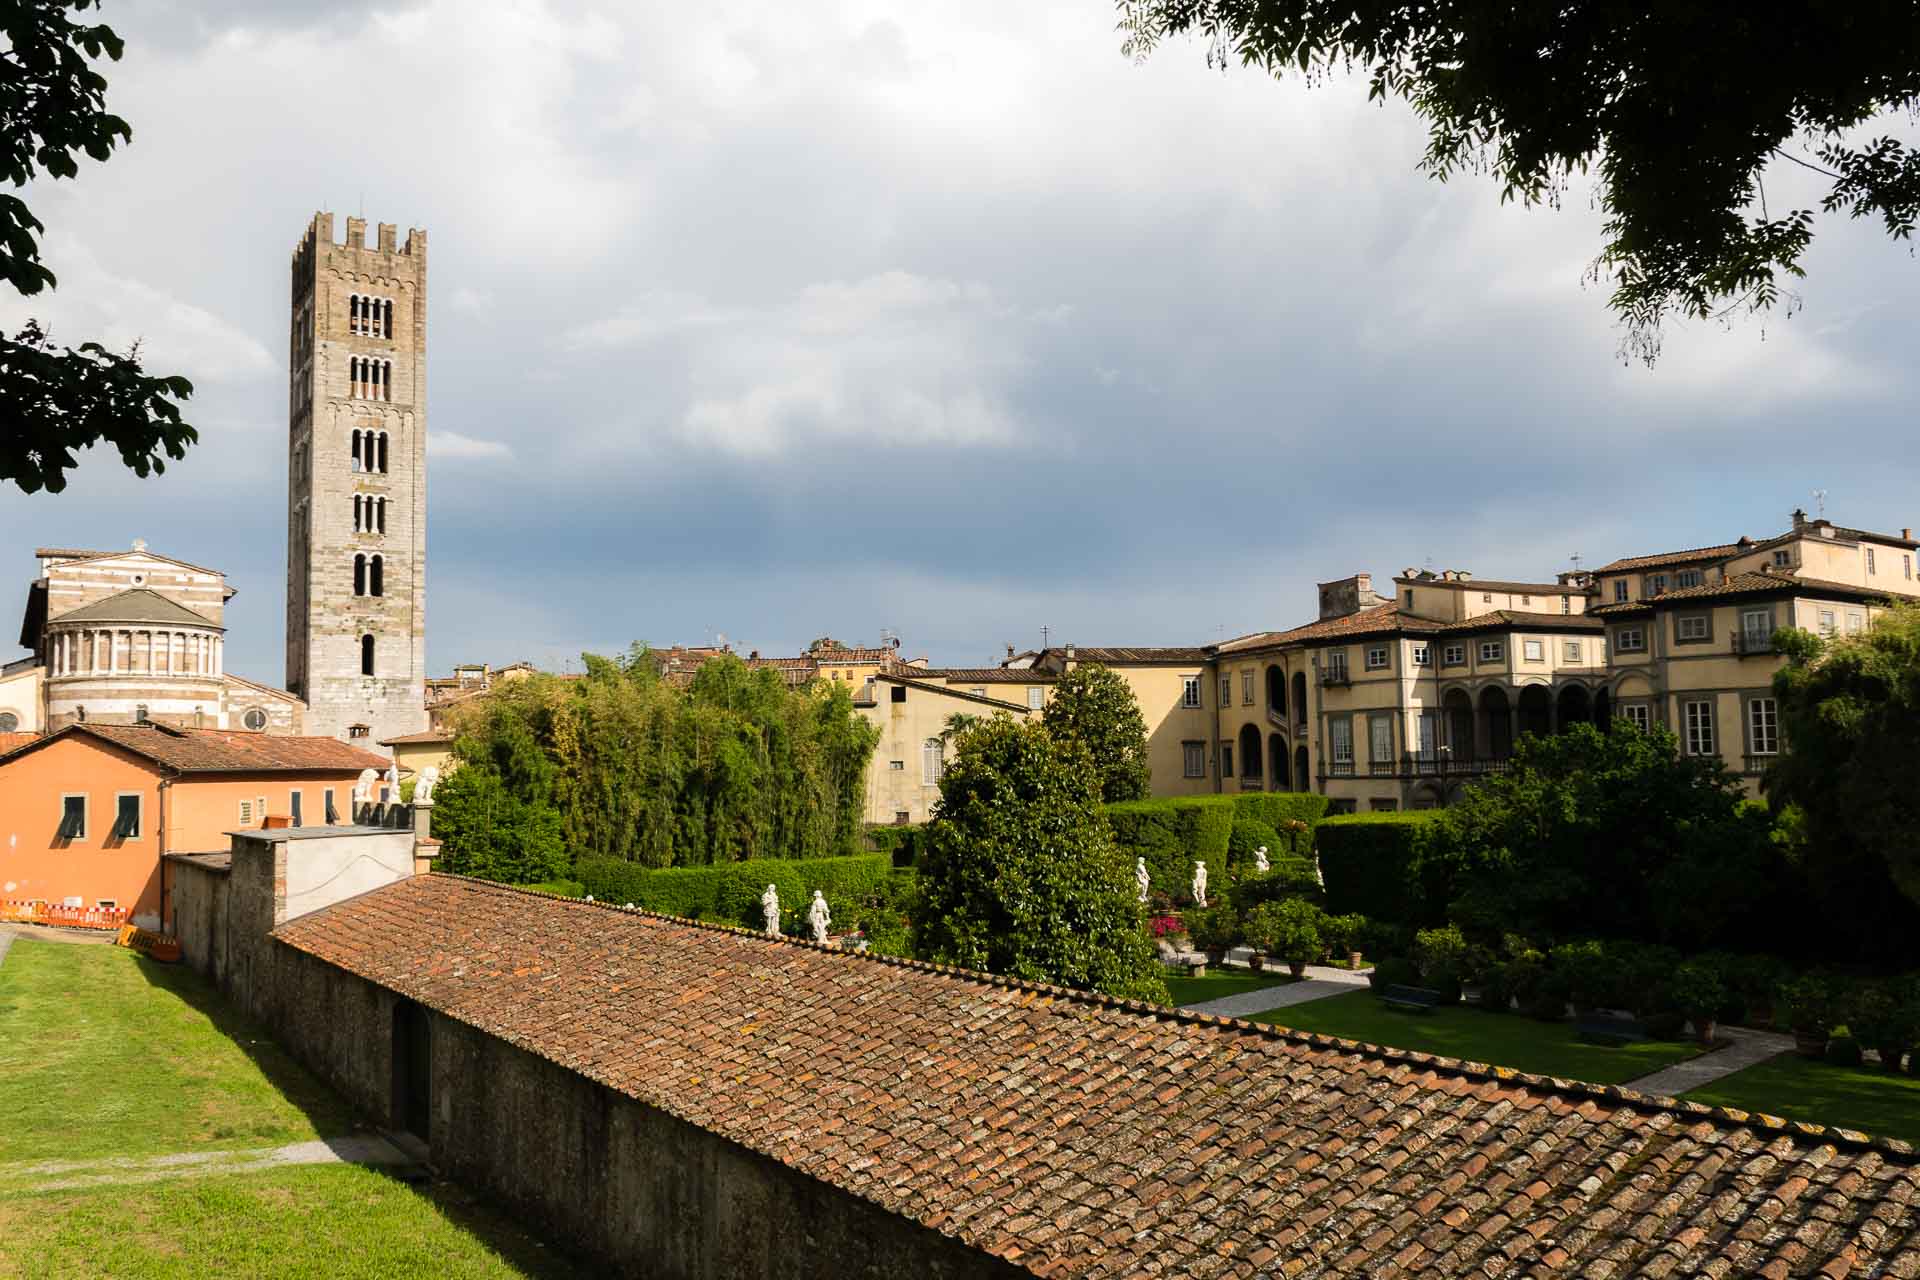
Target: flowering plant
1166	926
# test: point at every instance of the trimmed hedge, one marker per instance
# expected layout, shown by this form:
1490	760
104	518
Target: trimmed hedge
902	841
730	891
1174	833
1276	808
1371	860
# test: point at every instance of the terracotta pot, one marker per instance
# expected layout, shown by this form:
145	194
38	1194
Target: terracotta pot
1355	960
1256	962
1298	968
1705	1029
1809	1044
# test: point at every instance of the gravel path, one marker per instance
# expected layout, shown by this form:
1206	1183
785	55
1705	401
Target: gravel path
1320	983
63	1175
1748	1048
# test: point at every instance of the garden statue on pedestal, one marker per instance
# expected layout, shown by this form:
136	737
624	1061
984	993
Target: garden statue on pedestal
770	911
363	787
424	785
1199	883
1140	877
819	917
1260	863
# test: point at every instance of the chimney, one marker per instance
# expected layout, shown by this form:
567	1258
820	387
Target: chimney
1009	651
1799	518
1069	651
1906	535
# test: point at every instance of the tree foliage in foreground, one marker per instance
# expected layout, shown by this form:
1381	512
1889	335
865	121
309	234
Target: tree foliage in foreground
735	766
1680	106
1019	873
1850	724
53	399
1095	707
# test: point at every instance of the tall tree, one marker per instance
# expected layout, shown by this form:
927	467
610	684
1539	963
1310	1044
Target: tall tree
1094	706
54	399
1019	873
1850	721
1680	105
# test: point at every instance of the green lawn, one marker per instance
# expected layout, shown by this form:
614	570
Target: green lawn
1506	1040
104	1054
1217	983
564	888
331	1222
1864	1098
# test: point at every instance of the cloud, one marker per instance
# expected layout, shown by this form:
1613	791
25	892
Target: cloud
451	444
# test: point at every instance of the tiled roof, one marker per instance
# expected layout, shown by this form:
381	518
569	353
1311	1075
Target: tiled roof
985	675
1865	535
1078	1136
1746	584
1501	618
419	739
1620	607
1125	655
272	690
1696	556
229	751
1377	618
1491	584
14	741
137	605
72	554
912	680
834	656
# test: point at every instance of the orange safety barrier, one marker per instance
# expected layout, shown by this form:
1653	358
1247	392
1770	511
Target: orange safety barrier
155	946
65	917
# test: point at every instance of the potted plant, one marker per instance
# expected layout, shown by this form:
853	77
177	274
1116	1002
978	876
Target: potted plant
1809	1005
1215	930
1881	1015
1696	991
1289	930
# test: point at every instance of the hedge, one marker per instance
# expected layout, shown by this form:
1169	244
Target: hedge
730	891
901	840
1369	861
1276	808
1174	832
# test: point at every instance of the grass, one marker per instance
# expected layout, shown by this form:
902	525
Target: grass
564	888
103	1052
1865	1098
1216	984
336	1222
1506	1040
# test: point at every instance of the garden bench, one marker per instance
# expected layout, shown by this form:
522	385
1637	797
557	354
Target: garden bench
1607	1029
1410	999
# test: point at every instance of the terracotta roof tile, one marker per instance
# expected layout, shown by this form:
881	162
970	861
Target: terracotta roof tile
984	675
419	739
14	741
1698	555
1125	655
1088	1137
229	751
1746	584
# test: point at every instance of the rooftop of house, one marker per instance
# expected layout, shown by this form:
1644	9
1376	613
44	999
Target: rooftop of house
988	675
1467	582
1123	655
1083	1136
180	750
1697	555
14	741
427	738
1764	580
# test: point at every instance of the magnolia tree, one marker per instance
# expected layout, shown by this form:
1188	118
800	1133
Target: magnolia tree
1019	873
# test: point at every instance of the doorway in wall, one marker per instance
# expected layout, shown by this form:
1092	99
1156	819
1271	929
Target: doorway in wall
412	1070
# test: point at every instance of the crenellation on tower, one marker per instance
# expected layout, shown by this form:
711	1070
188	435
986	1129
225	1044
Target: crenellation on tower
356	544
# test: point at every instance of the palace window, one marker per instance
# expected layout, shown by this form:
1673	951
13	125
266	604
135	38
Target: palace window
1656	584
1226	688
366	655
1422	655
1340	733
1870	568
1763	727
1756	625
1696	626
1226	759
73	818
1566	604
1193	756
1698	720
1492	651
1782	558
1687	578
1035	697
1453	655
1246	688
246	813
1630	640
1337	664
1639	715
1827	625
333	814
1526	599
1376	659
1906	567
897	766
1570	652
1856	622
1190	691
1380	739
1533	650
1619	590
932	760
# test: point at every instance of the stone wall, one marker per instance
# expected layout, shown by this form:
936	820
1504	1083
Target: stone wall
196	898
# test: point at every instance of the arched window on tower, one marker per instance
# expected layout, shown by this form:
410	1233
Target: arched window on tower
376	575
380	514
386	309
360	575
366	655
358	503
382	467
356	450
353	313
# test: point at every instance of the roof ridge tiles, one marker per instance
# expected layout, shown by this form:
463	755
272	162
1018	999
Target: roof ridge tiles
1569	1089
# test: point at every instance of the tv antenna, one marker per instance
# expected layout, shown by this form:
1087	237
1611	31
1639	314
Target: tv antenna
1576	557
1046	637
1820	502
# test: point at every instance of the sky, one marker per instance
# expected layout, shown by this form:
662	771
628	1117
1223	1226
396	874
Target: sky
775	321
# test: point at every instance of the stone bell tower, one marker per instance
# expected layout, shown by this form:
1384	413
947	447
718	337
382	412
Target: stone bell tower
357	482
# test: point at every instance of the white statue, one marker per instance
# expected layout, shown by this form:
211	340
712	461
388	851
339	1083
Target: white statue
819	917
1260	860
1199	883
1318	878
423	785
1140	877
392	779
363	787
770	910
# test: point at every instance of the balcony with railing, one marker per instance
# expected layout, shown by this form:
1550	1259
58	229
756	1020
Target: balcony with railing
1334	677
1341	768
1749	643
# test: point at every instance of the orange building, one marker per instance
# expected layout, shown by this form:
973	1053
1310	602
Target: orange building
87	813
